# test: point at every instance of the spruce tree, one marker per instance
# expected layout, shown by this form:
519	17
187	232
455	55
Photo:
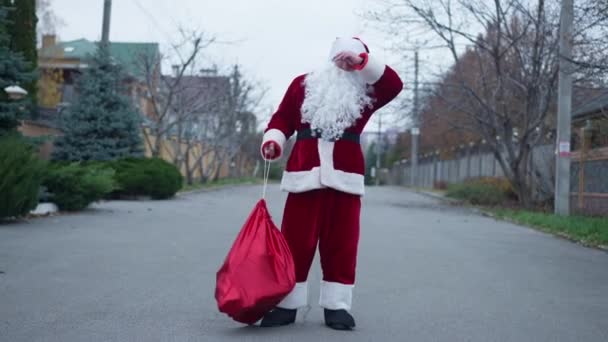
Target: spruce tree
102	124
22	32
13	71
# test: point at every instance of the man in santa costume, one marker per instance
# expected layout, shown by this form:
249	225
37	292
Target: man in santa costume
324	175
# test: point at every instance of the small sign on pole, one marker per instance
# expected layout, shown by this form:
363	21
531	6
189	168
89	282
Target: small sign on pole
564	149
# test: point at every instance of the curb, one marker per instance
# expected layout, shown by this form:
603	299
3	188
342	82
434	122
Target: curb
44	209
436	196
216	188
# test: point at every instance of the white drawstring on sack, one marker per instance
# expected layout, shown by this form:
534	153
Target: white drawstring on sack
266	176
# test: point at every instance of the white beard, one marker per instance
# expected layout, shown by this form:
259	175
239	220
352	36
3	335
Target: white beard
334	100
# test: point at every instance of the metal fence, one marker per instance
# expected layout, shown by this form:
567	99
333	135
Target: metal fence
588	183
470	163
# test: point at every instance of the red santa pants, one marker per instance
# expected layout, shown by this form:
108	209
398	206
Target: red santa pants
329	218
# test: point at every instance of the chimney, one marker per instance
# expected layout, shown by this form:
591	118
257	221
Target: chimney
176	70
48	40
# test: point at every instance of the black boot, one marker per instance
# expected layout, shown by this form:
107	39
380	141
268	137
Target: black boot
279	317
339	319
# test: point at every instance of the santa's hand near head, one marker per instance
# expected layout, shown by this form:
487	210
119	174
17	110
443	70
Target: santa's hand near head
348	61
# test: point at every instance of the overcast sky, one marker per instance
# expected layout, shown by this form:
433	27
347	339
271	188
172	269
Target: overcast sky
278	39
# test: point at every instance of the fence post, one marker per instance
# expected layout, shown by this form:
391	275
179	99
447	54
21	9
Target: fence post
469	153
480	162
434	178
458	166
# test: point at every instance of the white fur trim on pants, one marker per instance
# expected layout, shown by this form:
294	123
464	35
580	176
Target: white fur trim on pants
336	296
277	136
373	70
297	298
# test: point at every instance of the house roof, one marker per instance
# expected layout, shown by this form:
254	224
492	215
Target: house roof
127	54
592	105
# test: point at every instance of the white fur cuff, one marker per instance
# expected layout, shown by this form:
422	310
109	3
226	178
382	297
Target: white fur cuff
373	70
276	136
297	298
335	296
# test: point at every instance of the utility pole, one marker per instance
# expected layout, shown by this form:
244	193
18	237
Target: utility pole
564	108
415	129
105	31
378	149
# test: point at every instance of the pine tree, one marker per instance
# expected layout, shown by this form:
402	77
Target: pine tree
102	123
13	71
22	33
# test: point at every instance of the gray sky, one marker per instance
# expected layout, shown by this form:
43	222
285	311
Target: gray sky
278	39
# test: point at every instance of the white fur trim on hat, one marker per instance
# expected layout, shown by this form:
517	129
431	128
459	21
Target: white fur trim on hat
373	70
346	44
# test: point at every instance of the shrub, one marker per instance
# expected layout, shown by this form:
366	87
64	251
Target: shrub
478	194
75	186
499	183
20	177
483	191
276	171
440	185
153	177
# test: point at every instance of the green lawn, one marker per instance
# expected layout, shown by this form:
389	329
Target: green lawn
588	230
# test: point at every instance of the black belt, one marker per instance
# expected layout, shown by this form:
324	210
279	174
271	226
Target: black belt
307	134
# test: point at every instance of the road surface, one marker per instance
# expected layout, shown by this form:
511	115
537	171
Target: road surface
145	271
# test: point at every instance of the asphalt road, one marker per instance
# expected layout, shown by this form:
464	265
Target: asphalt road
145	271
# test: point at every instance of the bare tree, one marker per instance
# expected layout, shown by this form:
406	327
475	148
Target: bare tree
236	121
203	116
197	99
163	90
591	40
502	84
49	22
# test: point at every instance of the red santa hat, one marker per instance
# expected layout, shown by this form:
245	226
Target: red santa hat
353	44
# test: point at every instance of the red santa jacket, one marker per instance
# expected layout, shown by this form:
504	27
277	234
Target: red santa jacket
316	163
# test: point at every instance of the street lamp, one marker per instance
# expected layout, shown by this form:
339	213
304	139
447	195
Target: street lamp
15	92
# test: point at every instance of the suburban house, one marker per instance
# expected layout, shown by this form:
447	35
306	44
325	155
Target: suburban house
205	133
590	121
60	63
589	185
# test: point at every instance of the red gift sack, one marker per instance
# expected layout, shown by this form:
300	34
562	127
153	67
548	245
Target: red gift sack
258	271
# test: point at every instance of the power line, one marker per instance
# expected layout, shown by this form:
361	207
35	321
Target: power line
151	17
